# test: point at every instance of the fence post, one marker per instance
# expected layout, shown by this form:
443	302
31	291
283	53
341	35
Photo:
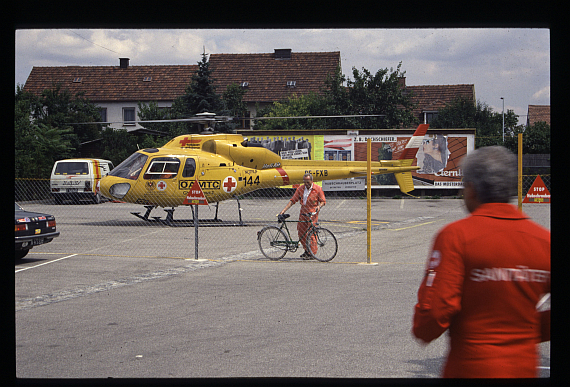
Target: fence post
520	138
368	198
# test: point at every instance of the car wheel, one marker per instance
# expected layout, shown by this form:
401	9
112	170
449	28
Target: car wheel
21	253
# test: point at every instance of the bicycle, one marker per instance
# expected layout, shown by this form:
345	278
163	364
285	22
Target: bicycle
274	242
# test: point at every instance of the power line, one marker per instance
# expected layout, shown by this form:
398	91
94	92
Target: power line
94	43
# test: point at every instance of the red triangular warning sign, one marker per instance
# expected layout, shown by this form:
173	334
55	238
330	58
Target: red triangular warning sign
196	196
538	193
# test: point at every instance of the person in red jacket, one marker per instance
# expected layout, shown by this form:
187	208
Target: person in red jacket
312	199
485	276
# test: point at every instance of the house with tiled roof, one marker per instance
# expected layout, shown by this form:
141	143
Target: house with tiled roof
431	98
116	89
538	113
267	78
272	77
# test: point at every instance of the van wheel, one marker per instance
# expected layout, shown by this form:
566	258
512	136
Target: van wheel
97	198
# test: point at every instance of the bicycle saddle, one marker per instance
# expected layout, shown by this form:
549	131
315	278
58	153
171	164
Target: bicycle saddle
282	217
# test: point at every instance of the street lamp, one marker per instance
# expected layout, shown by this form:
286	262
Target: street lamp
503	119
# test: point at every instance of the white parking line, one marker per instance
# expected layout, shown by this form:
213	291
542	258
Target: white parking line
98	248
46	263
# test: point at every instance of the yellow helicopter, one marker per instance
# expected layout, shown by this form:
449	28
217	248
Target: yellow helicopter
226	166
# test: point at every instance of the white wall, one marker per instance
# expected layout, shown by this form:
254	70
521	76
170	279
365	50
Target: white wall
115	113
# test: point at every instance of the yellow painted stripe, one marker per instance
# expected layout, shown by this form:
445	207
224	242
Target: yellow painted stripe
416	225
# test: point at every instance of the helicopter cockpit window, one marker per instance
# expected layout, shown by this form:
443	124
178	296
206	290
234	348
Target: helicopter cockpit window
163	168
131	167
189	168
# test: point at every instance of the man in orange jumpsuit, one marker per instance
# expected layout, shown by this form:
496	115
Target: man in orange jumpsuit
312	199
485	275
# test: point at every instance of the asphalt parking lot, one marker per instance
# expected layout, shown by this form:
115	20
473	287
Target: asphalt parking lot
115	297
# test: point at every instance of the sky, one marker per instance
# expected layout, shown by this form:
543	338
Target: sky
513	63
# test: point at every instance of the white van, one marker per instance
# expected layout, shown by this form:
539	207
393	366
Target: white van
77	179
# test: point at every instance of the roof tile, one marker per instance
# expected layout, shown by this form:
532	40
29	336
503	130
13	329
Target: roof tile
538	113
112	83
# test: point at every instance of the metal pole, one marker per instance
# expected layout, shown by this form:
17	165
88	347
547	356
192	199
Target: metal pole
503	119
520	169
369	197
196	233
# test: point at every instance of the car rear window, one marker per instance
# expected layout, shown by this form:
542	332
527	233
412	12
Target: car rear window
72	168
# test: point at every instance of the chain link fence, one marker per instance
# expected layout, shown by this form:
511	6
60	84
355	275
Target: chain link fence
168	231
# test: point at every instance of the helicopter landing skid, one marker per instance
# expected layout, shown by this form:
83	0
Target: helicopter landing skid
170	221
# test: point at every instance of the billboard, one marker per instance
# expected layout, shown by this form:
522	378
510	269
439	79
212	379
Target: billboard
438	157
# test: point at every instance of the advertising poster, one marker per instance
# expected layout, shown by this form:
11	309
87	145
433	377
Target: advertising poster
291	147
438	157
288	147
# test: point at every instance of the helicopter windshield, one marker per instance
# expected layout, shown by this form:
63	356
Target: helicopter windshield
131	167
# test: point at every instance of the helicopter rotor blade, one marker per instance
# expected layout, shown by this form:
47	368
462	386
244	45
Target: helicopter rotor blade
223	119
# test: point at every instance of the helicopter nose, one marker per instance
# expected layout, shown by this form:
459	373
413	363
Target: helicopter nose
110	188
119	190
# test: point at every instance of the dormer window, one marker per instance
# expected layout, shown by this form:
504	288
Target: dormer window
291	84
147	79
77	80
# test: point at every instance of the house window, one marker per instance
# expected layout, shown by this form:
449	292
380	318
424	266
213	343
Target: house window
429	116
103	113
245	123
128	116
147	79
291	84
244	84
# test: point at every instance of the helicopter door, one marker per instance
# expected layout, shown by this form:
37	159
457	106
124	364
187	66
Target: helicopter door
189	174
161	183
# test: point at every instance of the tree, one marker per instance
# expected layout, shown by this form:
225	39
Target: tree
463	113
380	93
38	141
367	94
199	97
232	97
536	138
306	105
58	108
117	144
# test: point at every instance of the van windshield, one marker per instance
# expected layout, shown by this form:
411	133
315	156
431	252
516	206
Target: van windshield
72	168
131	167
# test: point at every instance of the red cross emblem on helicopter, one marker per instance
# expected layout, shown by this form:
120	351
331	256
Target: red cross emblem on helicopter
229	184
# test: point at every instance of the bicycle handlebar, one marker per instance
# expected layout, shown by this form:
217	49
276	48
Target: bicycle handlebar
281	217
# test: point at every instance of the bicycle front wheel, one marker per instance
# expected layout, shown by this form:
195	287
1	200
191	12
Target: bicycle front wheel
323	244
273	242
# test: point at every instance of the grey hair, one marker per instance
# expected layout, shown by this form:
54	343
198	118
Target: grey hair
492	171
308	174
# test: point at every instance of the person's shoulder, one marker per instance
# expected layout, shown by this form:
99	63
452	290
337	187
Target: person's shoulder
456	226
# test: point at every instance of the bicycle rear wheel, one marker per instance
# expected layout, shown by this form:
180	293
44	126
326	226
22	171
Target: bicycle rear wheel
273	242
323	244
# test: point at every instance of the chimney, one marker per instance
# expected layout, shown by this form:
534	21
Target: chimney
123	63
402	82
283	53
